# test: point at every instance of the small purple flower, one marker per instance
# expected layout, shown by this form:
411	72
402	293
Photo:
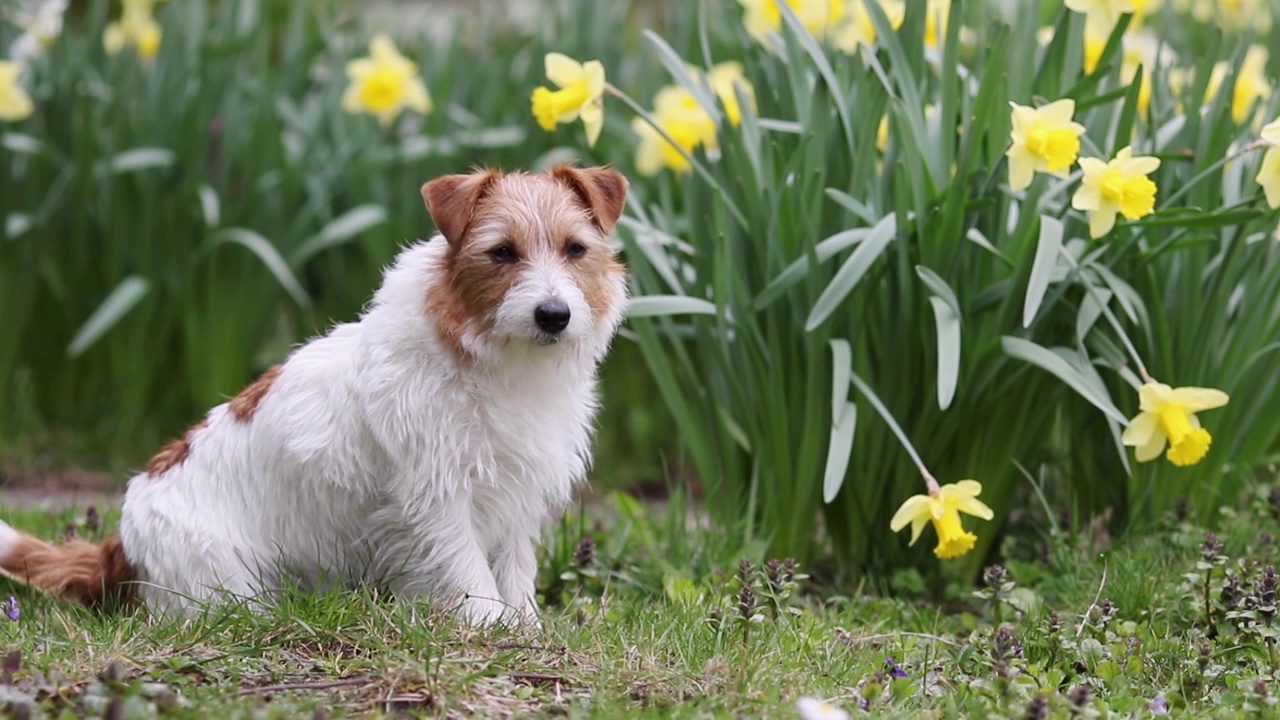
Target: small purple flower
895	670
1158	706
12	610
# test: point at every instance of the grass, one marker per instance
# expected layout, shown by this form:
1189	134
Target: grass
643	619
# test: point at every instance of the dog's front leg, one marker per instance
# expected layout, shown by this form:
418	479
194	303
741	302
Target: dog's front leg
515	567
455	565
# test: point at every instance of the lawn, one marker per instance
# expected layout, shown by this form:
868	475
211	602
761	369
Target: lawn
645	616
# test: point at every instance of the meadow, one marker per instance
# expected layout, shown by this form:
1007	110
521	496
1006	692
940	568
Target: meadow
1004	273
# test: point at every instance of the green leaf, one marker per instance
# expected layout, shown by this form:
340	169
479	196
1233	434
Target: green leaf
797	271
680	72
1048	360
341	229
663	305
270	257
841	367
210	206
838	452
946	315
1042	267
122	299
853	270
141	159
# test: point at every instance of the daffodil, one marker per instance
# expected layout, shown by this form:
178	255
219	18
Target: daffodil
1168	417
1101	15
1269	173
1119	186
1230	15
384	84
1251	82
677	112
843	24
1044	139
41	24
1138	49
580	95
15	103
137	26
943	508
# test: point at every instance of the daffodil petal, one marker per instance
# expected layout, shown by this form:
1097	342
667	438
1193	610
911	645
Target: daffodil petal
975	507
593	121
1152	395
1139	431
964	488
915	506
1153	447
1058	112
1101	222
562	69
1195	399
917	526
593	73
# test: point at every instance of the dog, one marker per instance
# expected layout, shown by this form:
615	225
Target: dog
419	448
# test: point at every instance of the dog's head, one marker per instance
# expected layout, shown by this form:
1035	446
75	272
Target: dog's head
528	259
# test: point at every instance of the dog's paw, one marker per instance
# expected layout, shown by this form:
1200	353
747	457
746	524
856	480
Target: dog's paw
481	612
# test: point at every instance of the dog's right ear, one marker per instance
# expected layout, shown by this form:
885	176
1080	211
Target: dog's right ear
451	200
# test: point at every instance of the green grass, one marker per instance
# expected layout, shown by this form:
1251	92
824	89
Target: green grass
615	643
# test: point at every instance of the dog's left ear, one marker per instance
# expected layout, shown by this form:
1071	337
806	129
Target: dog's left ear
452	198
603	190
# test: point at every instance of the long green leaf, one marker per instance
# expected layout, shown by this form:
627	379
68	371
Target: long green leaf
1046	260
853	270
122	299
270	257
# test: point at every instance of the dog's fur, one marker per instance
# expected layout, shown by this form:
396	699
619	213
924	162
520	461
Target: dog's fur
419	448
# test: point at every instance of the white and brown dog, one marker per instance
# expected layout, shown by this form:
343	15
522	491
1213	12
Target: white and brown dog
419	448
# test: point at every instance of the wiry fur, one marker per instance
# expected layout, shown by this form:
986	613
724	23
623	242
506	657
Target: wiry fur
418	448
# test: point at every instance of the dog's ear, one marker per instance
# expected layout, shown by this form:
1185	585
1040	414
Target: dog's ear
602	189
451	199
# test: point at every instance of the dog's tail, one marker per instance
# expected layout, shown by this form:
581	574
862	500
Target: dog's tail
76	571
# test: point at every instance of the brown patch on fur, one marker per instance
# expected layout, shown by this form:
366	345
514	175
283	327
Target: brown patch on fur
451	200
76	571
244	405
174	453
603	190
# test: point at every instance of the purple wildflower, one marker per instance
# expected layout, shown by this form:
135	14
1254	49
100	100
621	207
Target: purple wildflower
12	610
1158	706
895	670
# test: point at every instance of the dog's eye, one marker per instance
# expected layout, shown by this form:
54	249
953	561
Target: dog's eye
575	249
504	254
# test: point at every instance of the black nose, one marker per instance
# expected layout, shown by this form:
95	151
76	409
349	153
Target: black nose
552	316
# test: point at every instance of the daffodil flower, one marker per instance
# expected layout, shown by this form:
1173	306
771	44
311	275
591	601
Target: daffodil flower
1252	83
137	26
1269	173
1119	186
842	24
1168	417
677	112
385	84
1044	139
581	89
1101	15
15	103
40	25
943	509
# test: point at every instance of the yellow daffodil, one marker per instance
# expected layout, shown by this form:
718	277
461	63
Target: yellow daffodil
1101	15
843	24
580	95
1231	15
679	114
1138	49
41	25
1168	416
722	78
1269	173
384	84
1044	139
15	103
1251	82
1119	186
137	26
943	509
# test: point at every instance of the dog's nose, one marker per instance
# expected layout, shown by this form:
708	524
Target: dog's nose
552	316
